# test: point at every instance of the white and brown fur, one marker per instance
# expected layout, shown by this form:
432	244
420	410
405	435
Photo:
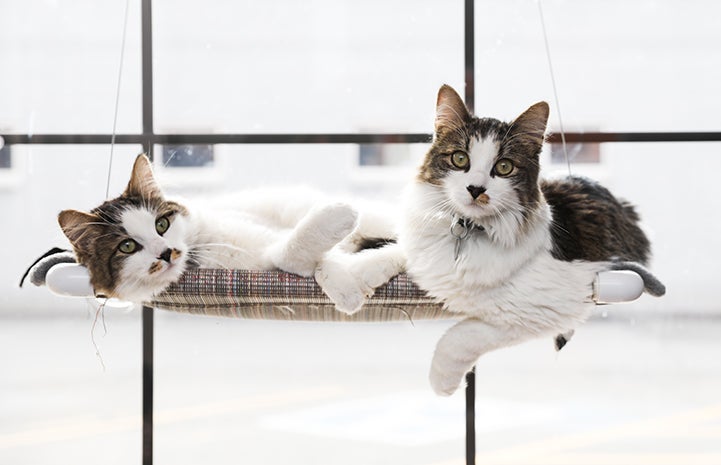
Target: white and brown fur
533	248
294	230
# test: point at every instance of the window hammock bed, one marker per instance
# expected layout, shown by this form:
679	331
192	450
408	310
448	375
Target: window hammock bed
277	295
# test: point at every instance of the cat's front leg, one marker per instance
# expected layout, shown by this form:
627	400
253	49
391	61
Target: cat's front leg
459	349
314	235
349	279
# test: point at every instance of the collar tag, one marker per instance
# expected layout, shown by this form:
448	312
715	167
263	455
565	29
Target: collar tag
460	229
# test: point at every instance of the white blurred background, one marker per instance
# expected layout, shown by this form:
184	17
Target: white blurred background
637	384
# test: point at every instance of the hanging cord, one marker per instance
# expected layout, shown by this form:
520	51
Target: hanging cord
553	84
117	98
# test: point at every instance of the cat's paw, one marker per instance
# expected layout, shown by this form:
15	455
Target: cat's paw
350	279
317	233
347	292
336	220
444	382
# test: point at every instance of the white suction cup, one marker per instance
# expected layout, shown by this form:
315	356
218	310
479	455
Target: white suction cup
69	279
617	286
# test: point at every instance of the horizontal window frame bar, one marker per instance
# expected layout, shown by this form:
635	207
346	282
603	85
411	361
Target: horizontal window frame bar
335	138
178	139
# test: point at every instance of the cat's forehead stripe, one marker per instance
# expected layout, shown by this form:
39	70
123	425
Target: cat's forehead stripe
483	149
488	128
138	221
112	211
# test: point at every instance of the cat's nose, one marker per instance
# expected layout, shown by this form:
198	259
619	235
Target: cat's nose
475	191
166	255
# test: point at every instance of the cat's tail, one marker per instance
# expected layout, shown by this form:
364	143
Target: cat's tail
629	211
651	284
39	269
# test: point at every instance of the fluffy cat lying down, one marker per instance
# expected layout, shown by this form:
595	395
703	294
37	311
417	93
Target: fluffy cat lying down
137	244
514	255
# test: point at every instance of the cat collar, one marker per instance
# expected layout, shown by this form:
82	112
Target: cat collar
461	228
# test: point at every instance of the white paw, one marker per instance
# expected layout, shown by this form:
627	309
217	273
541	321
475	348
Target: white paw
337	220
446	376
347	292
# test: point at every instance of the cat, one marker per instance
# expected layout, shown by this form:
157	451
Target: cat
137	244
515	255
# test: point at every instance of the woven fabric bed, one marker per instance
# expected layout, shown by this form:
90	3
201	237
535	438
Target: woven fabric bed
276	295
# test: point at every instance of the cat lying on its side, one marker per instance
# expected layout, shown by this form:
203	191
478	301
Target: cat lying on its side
516	256
137	244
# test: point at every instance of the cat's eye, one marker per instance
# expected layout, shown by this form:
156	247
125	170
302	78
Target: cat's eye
503	167
128	246
162	224
460	160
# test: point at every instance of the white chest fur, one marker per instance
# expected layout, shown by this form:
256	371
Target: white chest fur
519	286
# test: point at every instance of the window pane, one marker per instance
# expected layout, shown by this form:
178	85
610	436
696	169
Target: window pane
238	391
619	66
287	66
330	168
60	67
59	401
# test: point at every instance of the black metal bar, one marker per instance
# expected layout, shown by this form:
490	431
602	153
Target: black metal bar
148	312
148	356
147	66
471	417
410	138
601	137
469	55
292	138
470	79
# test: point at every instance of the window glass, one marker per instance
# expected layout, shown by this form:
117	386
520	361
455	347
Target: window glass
321	66
239	391
619	66
331	168
187	155
60	67
70	392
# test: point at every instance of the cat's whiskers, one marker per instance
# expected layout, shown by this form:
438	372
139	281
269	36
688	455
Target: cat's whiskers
508	223
439	211
222	244
210	253
210	260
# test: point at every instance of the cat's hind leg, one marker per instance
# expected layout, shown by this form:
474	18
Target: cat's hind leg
459	349
314	235
349	279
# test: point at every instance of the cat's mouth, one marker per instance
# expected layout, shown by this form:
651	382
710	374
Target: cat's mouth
162	267
478	208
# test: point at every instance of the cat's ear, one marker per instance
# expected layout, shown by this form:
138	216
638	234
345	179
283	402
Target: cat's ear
450	110
79	227
142	182
531	125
